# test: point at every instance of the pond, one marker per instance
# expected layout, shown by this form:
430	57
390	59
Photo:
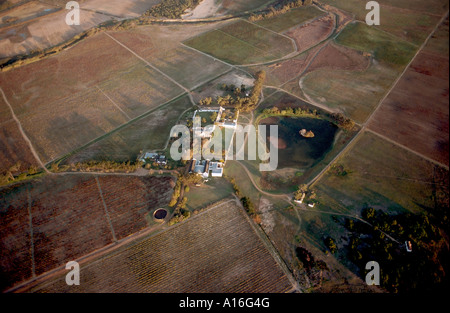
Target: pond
295	150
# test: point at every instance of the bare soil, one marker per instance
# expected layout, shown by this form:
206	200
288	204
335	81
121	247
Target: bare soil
335	57
310	34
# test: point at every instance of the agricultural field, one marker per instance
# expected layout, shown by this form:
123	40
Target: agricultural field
27	11
292	18
14	149
35	26
186	66
362	116
63	218
415	114
151	132
238	6
180	260
339	88
373	174
242	43
310	33
130	210
408	20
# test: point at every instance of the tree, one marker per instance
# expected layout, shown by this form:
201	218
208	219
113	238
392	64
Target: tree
330	244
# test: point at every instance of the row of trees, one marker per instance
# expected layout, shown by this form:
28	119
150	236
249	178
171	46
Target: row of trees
98	166
246	202
17	172
280	7
337	118
289	111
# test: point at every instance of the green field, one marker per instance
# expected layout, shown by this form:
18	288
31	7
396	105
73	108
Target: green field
408	20
150	132
281	23
242	43
383	46
355	93
377	177
214	190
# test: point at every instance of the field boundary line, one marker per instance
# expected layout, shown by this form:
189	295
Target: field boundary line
30	222
279	34
148	63
267	243
236	67
108	218
246	43
25	137
212	79
407	149
112	101
115	130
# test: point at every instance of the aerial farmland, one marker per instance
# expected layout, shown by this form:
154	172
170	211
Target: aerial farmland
97	97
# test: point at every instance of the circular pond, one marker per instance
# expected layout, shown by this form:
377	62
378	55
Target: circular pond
160	214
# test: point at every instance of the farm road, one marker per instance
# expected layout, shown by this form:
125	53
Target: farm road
24	135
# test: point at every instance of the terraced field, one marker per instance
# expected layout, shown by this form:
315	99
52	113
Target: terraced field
216	251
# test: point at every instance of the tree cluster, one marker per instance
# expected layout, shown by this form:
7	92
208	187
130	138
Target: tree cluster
278	8
241	102
181	213
343	121
172	8
16	172
402	271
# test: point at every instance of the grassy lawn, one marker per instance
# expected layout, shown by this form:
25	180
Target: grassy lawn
242	43
213	191
292	18
380	175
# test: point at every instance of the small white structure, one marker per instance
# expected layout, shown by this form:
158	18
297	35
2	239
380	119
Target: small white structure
301	200
312	205
203	168
216	169
408	246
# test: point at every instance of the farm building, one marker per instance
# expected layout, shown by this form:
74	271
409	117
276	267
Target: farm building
204	167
